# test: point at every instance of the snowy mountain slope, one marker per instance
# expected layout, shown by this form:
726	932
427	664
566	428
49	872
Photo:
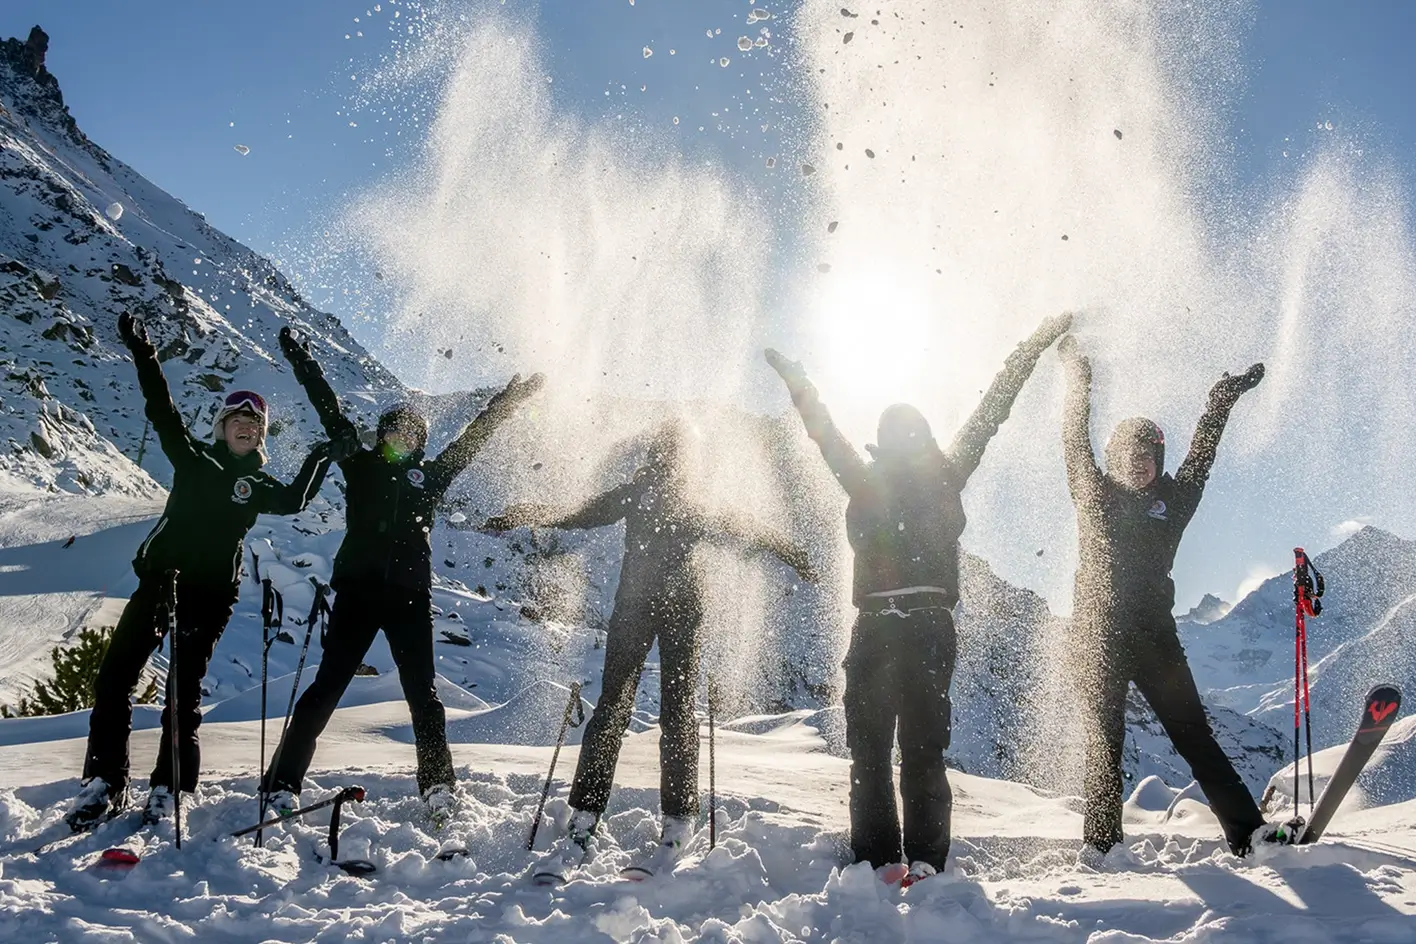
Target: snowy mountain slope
84	237
1245	659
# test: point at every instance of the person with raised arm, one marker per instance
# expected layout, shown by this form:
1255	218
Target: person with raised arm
1130	519
218	489
903	521
382	576
658	599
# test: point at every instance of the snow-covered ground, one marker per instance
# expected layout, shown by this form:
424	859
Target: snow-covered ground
777	874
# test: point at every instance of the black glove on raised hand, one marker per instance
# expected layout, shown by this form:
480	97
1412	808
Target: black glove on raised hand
1051	329
344	445
790	371
133	333
297	352
1230	388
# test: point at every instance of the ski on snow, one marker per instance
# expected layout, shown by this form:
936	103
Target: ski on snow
1378	714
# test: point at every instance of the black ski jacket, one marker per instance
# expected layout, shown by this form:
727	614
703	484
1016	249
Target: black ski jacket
904	521
389	504
1128	539
216	495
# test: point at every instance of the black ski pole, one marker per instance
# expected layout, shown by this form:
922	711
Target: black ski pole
712	768
345	793
319	609
272	615
174	740
573	706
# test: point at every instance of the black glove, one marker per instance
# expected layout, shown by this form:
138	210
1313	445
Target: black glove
133	333
1051	329
516	391
297	352
344	445
790	371
1229	389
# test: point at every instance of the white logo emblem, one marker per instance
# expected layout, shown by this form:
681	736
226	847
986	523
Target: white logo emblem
1157	511
415	476
241	491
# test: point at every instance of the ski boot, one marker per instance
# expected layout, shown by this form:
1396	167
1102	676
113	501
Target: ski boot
96	802
570	851
919	871
674	837
161	802
441	802
1269	834
283	802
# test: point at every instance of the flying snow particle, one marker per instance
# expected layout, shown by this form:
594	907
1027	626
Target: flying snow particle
869	153
758	14
241	149
847	38
745	43
114	211
761	42
675	119
824	267
771	163
831	226
648	52
1117	132
724	62
807	170
1327	126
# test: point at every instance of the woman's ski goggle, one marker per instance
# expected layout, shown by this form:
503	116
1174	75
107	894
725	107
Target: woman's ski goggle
247	400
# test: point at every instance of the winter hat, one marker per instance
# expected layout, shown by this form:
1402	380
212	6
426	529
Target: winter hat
408	422
1133	432
903	431
243	401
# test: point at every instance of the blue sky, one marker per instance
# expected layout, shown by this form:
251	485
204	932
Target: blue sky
199	78
171	88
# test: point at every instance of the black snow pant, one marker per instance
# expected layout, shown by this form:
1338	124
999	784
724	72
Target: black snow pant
359	612
203	611
674	618
1147	651
898	669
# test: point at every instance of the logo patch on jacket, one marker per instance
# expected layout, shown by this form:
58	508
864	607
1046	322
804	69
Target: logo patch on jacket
241	492
415	477
1157	511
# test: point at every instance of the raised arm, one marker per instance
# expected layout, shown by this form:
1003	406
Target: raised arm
845	463
1083	474
177	443
452	460
755	539
966	452
278	498
310	376
1195	470
599	512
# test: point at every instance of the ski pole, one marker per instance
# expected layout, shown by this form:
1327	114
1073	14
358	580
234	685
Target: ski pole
572	706
174	740
272	615
1308	588
346	793
712	769
319	609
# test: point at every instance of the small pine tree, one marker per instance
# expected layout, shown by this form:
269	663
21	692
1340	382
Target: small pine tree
75	673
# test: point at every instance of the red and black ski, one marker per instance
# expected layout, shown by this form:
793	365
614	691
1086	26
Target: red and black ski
1380	712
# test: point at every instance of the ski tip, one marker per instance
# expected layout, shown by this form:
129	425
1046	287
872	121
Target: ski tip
357	867
447	855
119	857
